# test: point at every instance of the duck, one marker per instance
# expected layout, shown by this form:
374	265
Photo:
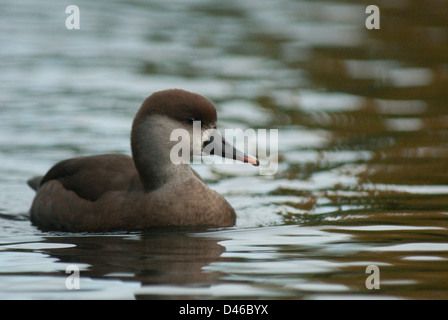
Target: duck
118	192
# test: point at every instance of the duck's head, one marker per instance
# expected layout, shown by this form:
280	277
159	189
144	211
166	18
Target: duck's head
169	115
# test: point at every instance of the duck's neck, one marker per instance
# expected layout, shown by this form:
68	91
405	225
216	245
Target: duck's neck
151	146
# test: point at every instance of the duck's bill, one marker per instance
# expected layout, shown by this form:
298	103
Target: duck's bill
229	151
218	146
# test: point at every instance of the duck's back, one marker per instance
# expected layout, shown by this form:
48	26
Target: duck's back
90	177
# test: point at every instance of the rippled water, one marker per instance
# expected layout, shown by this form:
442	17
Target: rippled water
363	135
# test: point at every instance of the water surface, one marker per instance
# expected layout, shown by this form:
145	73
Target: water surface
363	135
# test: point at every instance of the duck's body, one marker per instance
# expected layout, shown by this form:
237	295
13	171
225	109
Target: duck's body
116	192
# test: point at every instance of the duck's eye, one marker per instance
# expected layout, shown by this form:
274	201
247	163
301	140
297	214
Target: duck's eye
190	120
206	143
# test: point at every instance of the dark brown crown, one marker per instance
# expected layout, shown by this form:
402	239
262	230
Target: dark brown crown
180	105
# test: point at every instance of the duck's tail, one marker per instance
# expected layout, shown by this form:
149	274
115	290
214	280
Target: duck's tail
34	182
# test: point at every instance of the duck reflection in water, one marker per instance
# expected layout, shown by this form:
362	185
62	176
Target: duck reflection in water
169	256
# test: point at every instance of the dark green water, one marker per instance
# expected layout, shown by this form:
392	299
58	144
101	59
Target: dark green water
363	145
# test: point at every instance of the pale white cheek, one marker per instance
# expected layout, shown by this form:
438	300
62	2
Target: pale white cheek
198	141
197	146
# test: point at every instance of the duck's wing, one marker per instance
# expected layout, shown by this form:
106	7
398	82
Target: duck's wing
91	177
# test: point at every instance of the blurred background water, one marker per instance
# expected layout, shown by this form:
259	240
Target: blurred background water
363	134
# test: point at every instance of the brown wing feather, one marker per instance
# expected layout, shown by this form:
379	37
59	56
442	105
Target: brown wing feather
90	177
